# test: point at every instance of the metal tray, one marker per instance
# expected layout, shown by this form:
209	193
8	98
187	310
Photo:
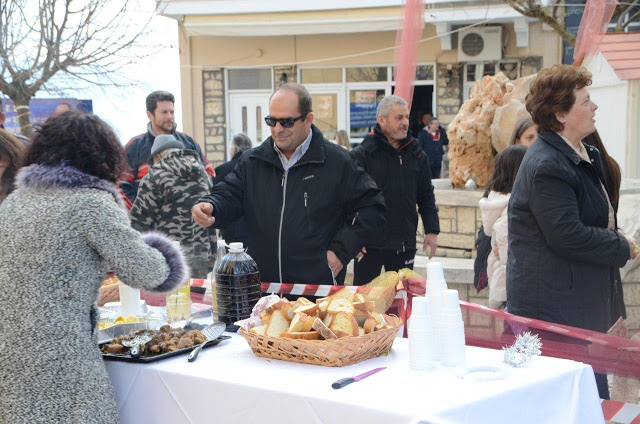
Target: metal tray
148	359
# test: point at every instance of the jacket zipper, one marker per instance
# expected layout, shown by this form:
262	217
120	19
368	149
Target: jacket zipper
284	201
305	199
400	159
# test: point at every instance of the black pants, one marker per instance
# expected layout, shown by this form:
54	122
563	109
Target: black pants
435	172
371	264
603	386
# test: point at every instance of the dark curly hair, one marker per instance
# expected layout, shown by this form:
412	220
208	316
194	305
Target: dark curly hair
11	150
80	140
551	92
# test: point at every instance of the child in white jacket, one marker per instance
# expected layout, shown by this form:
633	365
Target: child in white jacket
494	219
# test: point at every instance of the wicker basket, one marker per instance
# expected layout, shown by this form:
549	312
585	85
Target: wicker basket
328	353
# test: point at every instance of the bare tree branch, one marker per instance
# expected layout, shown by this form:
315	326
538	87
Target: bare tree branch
545	14
49	44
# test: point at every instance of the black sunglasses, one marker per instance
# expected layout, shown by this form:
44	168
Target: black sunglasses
285	122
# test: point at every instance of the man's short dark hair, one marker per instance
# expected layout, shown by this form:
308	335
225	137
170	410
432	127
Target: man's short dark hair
304	98
158	96
431	120
241	142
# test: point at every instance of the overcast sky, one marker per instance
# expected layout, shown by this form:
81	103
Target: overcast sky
125	108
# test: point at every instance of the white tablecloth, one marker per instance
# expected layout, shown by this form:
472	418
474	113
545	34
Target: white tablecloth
229	384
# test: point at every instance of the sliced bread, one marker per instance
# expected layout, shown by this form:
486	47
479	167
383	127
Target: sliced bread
308	308
340	305
344	322
301	322
278	324
369	326
259	330
324	331
305	335
345	293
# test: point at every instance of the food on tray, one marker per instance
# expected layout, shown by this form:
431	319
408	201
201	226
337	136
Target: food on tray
129	319
165	340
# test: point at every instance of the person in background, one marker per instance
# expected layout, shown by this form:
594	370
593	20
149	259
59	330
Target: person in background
175	181
237	230
62	108
342	139
62	229
24	140
11	151
525	132
308	206
563	242
612	180
397	164
432	138
160	111
494	220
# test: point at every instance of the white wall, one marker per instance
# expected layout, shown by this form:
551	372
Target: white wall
611	95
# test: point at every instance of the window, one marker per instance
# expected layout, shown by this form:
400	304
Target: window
258	123
325	113
250	79
244	120
321	76
423	73
367	74
363	105
489	69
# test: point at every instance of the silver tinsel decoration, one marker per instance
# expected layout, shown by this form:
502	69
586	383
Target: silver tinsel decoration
527	346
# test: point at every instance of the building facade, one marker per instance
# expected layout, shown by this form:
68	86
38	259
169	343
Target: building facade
234	54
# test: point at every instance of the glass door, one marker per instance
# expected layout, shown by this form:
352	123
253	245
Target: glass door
327	111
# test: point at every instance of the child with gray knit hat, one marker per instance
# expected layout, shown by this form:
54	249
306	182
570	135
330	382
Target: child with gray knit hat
162	143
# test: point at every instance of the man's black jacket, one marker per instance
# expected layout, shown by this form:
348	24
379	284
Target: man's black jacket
323	202
404	176
237	230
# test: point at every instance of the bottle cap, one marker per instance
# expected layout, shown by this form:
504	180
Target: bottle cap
221	243
236	247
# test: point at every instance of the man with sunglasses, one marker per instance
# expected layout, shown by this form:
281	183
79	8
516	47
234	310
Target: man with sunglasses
309	208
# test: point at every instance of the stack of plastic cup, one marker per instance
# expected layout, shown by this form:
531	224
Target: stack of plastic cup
451	330
422	347
435	286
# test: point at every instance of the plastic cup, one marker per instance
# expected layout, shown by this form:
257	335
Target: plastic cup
435	272
450	299
422	350
420	307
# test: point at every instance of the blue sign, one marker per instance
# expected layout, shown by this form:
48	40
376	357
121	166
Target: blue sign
363	115
41	109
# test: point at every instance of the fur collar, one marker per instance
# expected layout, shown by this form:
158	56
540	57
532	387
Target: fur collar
41	177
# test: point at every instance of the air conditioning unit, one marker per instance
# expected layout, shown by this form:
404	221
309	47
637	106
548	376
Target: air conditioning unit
480	44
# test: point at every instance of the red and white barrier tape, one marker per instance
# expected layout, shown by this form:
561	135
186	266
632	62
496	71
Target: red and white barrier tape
317	290
620	412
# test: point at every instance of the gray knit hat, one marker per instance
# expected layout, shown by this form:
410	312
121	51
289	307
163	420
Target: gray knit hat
164	142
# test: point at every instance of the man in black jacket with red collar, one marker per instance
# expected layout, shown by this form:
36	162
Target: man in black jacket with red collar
308	206
397	164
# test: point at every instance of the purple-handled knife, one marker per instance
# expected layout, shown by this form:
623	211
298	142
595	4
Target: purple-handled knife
344	381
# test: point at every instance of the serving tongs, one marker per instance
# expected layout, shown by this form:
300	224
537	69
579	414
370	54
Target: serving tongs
211	332
135	342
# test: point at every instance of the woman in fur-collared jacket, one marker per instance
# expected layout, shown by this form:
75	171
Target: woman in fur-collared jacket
61	230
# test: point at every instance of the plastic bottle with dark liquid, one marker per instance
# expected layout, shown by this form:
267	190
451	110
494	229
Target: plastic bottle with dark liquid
237	286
